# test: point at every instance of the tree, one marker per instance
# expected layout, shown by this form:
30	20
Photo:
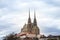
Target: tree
11	37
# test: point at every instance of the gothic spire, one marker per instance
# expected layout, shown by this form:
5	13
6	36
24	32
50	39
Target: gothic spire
35	22
29	23
29	19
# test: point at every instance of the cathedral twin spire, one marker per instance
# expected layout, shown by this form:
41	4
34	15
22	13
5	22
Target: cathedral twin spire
29	19
35	22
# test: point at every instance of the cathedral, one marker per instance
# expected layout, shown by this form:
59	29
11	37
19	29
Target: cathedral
31	27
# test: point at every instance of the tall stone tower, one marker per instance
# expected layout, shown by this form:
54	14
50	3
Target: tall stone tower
30	27
35	28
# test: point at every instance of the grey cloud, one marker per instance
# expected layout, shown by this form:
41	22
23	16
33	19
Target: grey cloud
55	14
51	30
52	2
9	5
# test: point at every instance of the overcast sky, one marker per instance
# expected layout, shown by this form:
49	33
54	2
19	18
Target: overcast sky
14	14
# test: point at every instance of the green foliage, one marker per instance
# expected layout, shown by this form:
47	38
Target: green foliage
10	37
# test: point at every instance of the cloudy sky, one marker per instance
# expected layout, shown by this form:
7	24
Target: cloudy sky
14	14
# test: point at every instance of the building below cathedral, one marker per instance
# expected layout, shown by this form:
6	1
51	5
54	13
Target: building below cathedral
30	31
